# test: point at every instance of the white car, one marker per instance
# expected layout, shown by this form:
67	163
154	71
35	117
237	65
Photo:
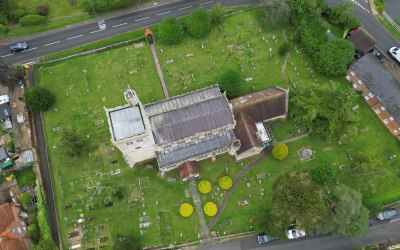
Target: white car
395	52
295	233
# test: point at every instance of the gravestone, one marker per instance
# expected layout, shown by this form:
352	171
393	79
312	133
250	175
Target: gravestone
171	61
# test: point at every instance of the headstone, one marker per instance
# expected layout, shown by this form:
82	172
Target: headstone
138	45
149	166
248	184
171	179
249	79
171	61
355	107
189	55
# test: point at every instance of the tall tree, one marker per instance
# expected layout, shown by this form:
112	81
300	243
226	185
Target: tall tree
231	81
170	31
297	199
74	144
347	215
300	9
124	242
342	14
334	56
325	109
275	13
38	98
198	23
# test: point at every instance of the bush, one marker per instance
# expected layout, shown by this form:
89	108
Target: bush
42	10
204	187
25	198
311	34
283	49
186	210
198	23
4	28
31	20
33	232
380	5
210	209
225	182
231	82
170	31
74	144
3	18
323	173
20	71
280	151
217	13
119	195
15	15
38	98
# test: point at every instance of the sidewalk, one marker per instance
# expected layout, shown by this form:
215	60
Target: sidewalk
107	15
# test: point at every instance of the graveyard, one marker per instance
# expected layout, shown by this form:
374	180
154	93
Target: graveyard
99	197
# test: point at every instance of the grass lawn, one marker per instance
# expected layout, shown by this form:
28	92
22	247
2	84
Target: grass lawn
26	177
84	85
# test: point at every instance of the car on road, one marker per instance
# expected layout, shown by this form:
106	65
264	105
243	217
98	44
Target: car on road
262	239
387	214
395	53
295	233
19	46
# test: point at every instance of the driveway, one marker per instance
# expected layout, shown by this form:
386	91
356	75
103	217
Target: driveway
392	7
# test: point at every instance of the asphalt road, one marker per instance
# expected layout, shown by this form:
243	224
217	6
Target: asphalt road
91	32
380	232
392	7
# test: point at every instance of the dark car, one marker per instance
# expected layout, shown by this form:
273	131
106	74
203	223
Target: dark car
262	238
379	55
19	47
387	214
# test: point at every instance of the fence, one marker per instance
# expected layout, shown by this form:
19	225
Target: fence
391	21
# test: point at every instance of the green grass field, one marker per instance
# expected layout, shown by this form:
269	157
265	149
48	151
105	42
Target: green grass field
84	85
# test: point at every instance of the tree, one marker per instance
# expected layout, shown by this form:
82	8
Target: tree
25	199
198	23
297	199
347	215
127	242
217	14
38	98
280	151
323	173
275	13
74	144
342	14
210	209
334	56
204	186
170	31
231	82
186	209
8	74
311	34
313	106
225	182
45	244
364	162
300	9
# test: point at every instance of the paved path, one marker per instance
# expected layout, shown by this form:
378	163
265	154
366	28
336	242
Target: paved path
238	178
294	138
197	203
159	71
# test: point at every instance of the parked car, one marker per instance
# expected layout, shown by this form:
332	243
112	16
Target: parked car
19	46
395	53
378	55
262	238
387	214
295	233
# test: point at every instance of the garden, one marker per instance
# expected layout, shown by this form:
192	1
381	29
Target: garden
98	197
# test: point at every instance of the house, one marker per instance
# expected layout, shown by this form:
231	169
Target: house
362	40
13	229
189	127
5	111
5	161
380	90
251	112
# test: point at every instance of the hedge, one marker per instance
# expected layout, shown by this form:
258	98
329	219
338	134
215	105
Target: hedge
31	20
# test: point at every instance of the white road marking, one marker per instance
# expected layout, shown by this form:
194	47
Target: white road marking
187	7
51	43
140	19
205	3
7	55
95	31
119	24
29	49
159	14
394	220
74	37
29	63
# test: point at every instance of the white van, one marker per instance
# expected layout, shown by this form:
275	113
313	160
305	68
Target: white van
395	52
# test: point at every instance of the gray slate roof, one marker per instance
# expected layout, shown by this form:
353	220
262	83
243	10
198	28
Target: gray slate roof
188	114
3	154
195	148
5	111
126	122
380	82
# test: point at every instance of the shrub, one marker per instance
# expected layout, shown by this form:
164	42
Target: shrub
217	13
10	177
231	82
31	20
283	49
15	15
323	173
170	31
25	198
225	182
33	232
204	187
3	18
38	98
186	210
4	28
119	195
42	10
280	151
380	5
198	23
210	209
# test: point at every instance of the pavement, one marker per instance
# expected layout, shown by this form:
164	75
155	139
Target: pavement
392	7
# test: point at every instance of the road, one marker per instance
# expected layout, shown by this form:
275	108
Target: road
380	232
392	7
44	45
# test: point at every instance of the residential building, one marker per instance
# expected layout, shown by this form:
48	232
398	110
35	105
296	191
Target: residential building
13	229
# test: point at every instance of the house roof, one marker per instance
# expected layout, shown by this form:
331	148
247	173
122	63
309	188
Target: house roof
5	111
245	131
380	82
3	154
195	148
363	41
186	115
187	169
8	240
126	122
